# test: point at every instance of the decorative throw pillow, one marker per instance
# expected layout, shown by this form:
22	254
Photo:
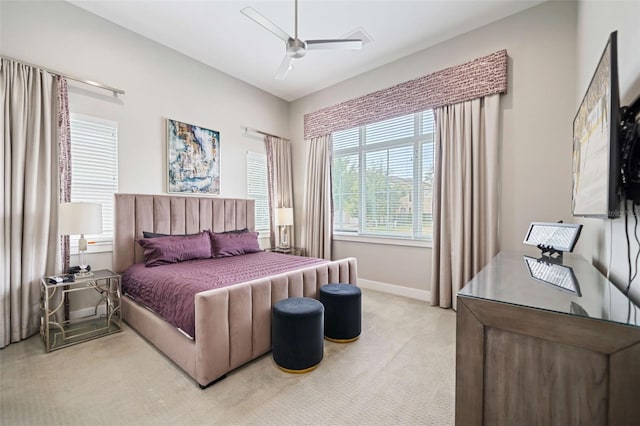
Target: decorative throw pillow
228	244
175	248
235	231
146	234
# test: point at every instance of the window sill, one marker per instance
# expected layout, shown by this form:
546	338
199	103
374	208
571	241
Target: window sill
383	240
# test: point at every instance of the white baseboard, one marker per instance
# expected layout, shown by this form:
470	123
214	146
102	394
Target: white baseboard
397	290
87	312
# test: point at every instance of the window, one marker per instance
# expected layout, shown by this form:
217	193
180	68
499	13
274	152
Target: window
257	188
382	178
94	168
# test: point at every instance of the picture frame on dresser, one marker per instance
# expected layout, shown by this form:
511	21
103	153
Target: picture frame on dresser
193	159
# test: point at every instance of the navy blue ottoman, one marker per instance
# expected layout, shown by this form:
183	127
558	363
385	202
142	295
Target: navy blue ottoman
342	312
297	334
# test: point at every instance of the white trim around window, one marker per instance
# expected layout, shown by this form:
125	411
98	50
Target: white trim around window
406	242
382	181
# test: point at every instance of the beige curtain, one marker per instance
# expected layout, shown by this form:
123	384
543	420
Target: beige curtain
465	198
318	211
280	182
29	243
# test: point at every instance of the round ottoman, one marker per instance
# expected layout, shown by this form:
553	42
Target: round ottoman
342	312
297	334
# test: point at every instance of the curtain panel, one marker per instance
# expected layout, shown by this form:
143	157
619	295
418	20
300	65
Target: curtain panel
480	77
280	182
318	210
465	194
29	241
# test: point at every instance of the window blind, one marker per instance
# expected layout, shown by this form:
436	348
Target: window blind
94	168
257	188
346	139
395	128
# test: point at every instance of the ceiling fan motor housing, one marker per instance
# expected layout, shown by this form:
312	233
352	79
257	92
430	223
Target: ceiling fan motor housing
296	48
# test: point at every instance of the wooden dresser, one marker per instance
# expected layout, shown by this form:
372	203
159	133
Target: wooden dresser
529	352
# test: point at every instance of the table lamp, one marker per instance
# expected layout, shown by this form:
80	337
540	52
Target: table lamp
80	219
284	219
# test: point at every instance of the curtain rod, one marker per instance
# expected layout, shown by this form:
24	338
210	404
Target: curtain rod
115	91
260	132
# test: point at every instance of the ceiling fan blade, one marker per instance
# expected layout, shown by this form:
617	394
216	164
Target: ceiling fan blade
334	44
285	66
256	16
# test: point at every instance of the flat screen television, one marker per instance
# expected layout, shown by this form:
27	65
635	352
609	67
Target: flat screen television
596	144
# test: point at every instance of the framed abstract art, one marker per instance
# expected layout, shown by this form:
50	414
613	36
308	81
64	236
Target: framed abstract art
193	156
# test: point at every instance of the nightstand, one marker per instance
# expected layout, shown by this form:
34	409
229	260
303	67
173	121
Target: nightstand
294	251
105	317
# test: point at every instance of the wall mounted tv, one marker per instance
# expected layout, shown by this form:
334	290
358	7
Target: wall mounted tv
596	145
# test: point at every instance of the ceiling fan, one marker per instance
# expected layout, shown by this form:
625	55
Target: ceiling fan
297	48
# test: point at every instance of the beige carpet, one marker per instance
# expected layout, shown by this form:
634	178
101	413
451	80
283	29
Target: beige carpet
400	371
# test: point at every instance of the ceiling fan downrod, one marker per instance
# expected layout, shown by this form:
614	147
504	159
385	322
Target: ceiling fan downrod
295	34
296	48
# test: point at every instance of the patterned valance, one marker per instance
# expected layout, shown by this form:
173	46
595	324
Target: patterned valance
480	77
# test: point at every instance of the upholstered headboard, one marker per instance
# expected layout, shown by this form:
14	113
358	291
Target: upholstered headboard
169	214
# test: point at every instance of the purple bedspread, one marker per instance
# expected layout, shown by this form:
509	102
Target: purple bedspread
169	290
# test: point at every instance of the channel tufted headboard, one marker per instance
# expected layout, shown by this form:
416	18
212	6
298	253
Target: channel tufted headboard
170	214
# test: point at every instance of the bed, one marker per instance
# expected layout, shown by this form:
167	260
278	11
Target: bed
233	323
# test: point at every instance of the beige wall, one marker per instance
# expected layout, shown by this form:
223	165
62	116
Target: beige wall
596	20
536	129
159	83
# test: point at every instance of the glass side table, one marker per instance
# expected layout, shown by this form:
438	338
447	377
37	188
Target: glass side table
58	331
295	251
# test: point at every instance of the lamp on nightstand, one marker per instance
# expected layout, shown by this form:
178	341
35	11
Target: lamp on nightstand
80	219
284	219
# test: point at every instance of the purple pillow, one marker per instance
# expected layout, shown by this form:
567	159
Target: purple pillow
225	245
175	248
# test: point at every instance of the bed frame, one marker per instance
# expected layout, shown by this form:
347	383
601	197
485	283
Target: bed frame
233	324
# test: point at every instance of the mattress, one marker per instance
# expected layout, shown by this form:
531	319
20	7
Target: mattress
169	290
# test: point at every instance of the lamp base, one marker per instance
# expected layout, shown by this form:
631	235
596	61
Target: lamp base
284	237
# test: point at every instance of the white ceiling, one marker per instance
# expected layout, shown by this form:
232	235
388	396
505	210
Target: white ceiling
217	34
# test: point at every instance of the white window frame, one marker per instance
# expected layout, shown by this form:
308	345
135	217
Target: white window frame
104	242
417	141
261	198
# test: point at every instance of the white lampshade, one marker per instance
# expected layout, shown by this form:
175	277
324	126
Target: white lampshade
284	216
80	218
